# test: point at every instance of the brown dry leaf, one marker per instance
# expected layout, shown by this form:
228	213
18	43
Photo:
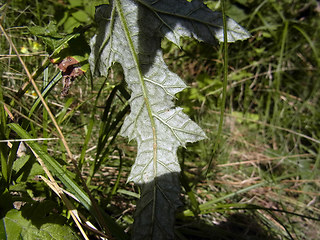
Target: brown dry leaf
70	69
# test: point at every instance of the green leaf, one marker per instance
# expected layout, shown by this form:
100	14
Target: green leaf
26	168
54	167
49	34
81	16
62	46
6	203
130	33
15	226
60	172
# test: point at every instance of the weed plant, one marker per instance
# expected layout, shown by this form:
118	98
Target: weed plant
263	182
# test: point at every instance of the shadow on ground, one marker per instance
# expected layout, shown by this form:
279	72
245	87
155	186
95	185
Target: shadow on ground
238	226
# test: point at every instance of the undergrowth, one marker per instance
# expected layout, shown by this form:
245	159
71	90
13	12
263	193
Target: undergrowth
264	181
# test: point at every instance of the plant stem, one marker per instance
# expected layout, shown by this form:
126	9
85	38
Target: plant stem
225	82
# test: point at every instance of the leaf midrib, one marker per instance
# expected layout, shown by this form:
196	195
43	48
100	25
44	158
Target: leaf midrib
142	82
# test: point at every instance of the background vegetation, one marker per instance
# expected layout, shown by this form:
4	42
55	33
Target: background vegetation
263	182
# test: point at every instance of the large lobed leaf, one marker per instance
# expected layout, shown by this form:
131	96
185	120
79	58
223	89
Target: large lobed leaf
133	39
15	226
130	33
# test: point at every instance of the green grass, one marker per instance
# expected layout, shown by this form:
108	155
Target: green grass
264	179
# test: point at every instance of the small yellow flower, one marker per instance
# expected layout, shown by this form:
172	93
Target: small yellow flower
35	46
24	50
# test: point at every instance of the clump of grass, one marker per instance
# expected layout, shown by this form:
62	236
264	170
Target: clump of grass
270	153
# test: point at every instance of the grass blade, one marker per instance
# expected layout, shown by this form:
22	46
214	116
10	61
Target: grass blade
63	175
